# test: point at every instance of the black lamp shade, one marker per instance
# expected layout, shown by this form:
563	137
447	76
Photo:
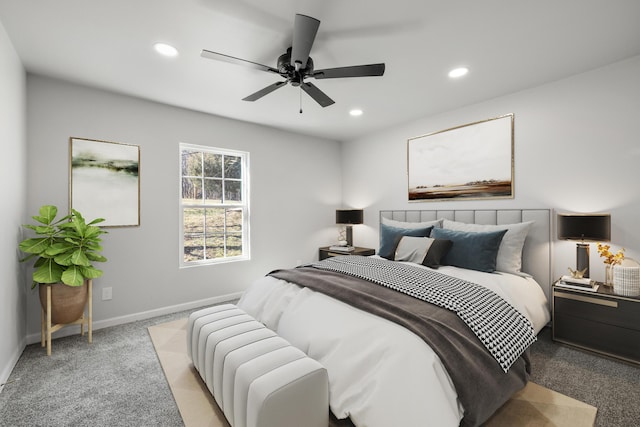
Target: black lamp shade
349	216
589	227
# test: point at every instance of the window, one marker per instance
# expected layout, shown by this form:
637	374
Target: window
214	205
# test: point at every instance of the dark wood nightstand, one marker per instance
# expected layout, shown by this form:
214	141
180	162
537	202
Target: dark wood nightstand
325	252
602	321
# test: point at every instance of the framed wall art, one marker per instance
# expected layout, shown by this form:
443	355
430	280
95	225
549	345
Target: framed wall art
470	161
104	181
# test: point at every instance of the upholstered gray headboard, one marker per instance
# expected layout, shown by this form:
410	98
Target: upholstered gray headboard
536	255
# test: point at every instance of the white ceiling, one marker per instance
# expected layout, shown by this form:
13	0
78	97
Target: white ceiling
509	45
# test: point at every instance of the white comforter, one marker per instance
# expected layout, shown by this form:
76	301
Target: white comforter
380	374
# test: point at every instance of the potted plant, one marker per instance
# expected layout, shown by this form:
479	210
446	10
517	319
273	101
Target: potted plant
65	250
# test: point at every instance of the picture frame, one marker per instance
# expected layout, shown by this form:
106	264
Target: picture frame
471	161
104	181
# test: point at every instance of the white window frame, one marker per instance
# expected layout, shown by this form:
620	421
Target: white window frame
244	205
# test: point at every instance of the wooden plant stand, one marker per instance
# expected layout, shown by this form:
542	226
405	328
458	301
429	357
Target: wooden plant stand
86	319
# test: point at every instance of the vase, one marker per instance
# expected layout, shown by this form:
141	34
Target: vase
608	275
67	302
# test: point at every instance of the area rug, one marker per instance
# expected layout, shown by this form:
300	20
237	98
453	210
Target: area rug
532	406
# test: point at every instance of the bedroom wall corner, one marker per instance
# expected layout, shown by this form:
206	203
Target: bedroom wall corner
13	171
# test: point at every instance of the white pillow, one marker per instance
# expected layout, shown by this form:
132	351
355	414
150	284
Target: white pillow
402	224
509	257
412	249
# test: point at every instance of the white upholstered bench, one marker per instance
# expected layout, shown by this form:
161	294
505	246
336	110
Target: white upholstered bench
256	377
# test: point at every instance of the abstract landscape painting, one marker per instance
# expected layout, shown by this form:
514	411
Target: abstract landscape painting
466	162
105	181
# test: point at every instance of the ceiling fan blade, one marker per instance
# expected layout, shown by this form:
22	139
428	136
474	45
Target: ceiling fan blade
354	71
304	33
319	96
262	92
233	60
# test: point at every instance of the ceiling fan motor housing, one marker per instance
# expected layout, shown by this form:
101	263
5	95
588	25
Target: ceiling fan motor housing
288	70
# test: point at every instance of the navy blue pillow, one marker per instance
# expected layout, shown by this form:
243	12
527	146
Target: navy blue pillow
390	236
470	249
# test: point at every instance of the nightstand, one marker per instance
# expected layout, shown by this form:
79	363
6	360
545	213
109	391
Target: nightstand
602	321
325	252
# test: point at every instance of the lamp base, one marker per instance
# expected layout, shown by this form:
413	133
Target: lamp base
349	235
582	258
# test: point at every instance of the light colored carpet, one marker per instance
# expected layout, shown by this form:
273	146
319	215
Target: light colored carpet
196	405
534	406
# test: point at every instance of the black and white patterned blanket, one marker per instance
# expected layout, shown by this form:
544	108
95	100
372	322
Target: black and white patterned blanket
502	329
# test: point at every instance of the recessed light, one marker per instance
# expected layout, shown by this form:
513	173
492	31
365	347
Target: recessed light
355	112
458	72
165	49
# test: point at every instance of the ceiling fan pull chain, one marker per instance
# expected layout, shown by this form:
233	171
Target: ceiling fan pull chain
300	99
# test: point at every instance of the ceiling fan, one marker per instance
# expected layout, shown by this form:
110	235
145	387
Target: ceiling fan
295	65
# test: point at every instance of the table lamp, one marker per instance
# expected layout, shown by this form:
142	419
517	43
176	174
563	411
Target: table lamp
349	217
584	228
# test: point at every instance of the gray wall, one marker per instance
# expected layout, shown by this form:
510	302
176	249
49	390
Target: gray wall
577	149
13	170
295	188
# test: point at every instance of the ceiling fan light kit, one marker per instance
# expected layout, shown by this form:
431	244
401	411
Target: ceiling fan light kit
295	65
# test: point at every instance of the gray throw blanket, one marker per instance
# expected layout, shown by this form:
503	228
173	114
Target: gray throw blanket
481	384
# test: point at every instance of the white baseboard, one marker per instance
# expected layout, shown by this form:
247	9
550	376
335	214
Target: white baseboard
114	321
4	375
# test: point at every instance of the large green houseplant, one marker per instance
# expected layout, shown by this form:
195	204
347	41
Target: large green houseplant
64	249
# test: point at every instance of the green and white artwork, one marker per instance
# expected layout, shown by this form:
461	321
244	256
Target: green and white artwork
105	181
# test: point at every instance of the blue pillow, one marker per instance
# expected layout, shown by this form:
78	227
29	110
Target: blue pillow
471	250
390	236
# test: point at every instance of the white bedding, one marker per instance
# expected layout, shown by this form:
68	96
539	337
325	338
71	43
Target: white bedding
380	374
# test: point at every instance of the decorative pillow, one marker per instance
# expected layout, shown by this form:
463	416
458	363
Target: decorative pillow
422	250
389	237
402	224
510	253
438	249
471	250
412	249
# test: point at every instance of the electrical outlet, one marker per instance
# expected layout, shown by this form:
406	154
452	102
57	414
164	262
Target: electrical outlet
107	293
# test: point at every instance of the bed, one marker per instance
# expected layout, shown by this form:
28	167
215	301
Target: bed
384	370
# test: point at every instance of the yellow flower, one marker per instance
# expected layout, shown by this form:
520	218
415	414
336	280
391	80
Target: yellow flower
610	258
